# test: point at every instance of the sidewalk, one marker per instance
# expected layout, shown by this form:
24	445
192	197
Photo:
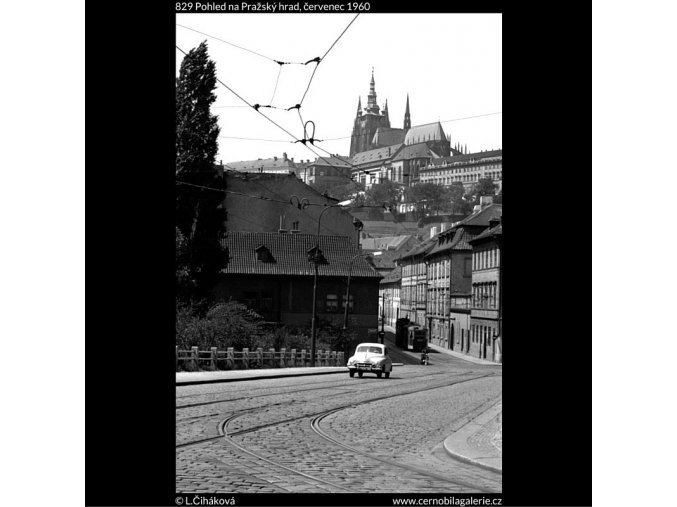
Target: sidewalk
480	441
186	378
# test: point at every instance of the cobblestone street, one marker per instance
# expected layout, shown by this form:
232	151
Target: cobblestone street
332	433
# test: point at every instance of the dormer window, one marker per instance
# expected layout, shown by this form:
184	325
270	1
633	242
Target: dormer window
263	254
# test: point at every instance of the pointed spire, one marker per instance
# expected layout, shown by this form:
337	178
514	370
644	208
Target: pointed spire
359	106
407	116
466	149
372	106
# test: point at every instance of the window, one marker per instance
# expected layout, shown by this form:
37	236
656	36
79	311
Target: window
332	303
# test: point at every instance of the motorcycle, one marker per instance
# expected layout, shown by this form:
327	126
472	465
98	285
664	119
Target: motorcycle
424	356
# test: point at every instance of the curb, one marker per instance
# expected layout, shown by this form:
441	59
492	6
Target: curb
257	377
457	447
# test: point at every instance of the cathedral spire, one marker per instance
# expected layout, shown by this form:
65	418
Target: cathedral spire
359	106
385	112
372	106
407	117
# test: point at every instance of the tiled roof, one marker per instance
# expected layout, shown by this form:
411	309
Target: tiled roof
377	155
459	237
419	150
420	249
394	276
386	260
385	243
290	252
494	231
423	133
332	161
385	136
265	163
482	216
467	157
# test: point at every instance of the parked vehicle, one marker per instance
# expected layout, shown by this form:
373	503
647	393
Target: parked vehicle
370	358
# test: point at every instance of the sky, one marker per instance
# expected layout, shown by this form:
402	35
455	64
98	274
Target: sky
449	64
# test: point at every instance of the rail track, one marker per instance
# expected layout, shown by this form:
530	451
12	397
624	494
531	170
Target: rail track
315	419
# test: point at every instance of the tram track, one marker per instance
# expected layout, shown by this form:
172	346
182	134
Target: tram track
335	384
315	420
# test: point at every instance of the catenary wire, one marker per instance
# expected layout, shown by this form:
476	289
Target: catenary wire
324	56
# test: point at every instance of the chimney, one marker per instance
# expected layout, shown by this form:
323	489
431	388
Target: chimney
433	231
275	159
284	156
282	230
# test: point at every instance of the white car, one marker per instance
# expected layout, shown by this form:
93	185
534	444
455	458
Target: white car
370	358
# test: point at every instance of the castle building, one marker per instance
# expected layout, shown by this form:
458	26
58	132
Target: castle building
379	151
368	121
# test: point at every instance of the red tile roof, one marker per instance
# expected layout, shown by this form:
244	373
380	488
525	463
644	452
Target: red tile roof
290	252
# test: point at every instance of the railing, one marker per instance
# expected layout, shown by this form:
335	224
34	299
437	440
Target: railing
230	359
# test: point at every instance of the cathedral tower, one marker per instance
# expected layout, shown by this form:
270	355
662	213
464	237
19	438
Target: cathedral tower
367	121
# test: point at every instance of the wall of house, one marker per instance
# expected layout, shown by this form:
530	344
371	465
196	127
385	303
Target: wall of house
482	331
289	300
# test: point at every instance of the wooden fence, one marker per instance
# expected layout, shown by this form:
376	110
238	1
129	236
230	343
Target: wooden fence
231	359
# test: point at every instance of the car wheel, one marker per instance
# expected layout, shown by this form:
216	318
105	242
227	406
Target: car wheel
387	374
351	373
359	374
378	374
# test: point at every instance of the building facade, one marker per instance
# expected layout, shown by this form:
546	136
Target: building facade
486	314
326	171
449	278
273	274
413	295
468	169
451	281
389	294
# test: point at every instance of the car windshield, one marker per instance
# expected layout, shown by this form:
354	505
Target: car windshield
372	350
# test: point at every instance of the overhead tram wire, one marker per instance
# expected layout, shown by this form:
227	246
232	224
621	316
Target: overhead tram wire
263	198
234	45
321	59
270	119
335	138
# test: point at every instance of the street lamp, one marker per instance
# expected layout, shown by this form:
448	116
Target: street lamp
383	318
350	271
316	259
357	223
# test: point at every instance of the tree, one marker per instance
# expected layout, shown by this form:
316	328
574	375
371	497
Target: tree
430	198
385	192
199	214
485	186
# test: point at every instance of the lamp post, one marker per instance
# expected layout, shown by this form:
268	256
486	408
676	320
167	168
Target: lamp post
383	317
350	271
357	223
316	258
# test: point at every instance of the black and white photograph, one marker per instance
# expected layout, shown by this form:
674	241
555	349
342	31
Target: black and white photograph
339	197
